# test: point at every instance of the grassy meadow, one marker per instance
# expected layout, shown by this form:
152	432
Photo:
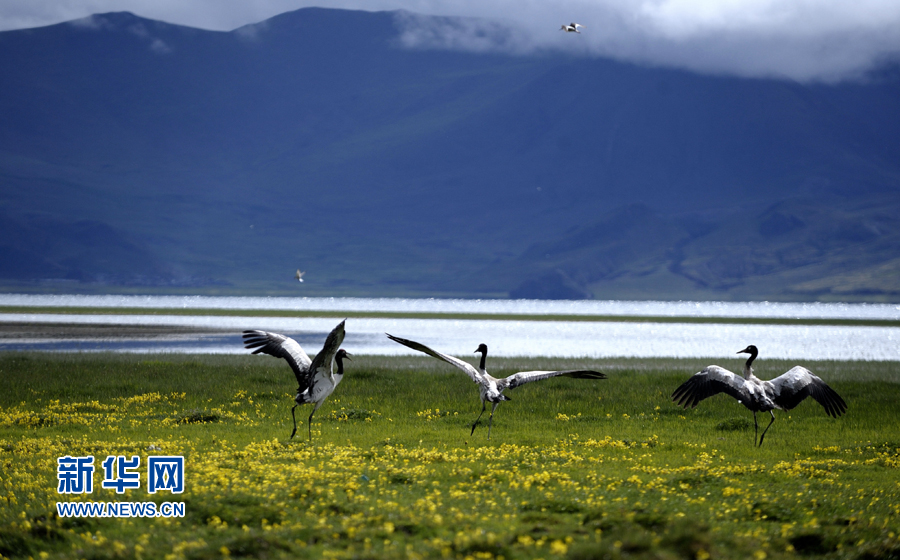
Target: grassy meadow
574	469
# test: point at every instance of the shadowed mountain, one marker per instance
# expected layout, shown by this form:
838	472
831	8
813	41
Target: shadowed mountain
316	140
40	248
832	248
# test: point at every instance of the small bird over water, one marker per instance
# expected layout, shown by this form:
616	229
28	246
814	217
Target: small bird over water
571	28
299	275
784	392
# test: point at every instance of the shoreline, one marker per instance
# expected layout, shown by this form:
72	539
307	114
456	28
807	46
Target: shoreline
67	331
180	312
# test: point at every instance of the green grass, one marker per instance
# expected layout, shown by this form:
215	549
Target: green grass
576	469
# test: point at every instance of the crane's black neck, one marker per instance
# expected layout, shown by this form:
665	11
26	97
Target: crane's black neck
483	358
340	363
752	357
753	354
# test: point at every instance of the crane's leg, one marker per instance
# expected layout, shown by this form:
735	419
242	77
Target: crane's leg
755	429
483	405
772	421
309	422
295	421
491	419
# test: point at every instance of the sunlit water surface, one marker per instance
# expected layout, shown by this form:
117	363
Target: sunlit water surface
504	337
481	306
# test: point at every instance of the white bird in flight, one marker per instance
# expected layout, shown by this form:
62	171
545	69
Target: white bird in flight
315	378
299	275
571	28
784	392
491	388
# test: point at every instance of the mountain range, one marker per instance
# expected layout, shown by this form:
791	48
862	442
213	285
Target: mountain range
141	156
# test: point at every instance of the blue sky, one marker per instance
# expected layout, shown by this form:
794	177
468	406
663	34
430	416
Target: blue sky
819	40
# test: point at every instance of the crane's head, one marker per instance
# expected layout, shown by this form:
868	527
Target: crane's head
341	354
750	350
481	348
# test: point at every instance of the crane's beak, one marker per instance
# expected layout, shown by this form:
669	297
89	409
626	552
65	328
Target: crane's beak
745	351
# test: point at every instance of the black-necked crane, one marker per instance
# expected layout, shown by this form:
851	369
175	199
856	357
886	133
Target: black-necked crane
491	388
571	28
783	393
316	378
299	275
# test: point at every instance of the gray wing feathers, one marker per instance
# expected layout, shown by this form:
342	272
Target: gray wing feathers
465	366
279	346
523	377
711	381
332	344
798	383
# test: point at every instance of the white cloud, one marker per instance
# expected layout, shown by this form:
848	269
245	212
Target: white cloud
800	39
252	31
160	47
140	30
460	33
89	22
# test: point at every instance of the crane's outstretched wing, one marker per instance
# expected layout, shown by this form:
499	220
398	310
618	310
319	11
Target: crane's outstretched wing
321	364
711	381
465	366
279	346
798	383
523	377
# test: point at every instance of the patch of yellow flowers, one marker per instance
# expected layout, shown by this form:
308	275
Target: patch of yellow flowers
478	501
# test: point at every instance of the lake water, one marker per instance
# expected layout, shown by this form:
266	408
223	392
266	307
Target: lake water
481	306
504	337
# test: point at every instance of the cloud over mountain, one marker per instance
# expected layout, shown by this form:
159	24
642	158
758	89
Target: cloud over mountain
804	40
796	39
